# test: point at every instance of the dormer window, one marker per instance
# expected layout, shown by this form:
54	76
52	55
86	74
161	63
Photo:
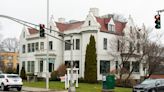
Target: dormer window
111	25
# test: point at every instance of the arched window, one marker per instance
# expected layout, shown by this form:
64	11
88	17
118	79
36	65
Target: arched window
89	23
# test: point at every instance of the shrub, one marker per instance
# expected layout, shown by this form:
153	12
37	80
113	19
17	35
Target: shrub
81	80
23	73
126	83
61	70
54	76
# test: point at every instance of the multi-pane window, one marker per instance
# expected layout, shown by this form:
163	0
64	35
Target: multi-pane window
73	44
126	66
41	45
31	66
28	66
105	44
111	27
67	45
118	45
130	46
29	47
138	47
104	66
41	66
36	46
51	67
24	49
50	45
77	44
23	64
135	66
116	67
33	47
138	35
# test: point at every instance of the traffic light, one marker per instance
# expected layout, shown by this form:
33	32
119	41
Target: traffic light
42	31
157	22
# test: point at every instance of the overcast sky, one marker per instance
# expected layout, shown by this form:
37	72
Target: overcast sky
34	11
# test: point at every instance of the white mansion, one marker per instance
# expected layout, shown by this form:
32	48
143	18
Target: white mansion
33	49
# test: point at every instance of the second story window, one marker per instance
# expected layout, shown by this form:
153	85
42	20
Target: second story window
41	45
50	45
67	45
138	47
130	47
24	49
105	44
36	46
118	45
77	44
33	48
138	35
29	47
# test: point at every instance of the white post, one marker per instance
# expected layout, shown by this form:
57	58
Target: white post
71	88
47	72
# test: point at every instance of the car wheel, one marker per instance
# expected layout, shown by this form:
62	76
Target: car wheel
19	88
3	87
153	90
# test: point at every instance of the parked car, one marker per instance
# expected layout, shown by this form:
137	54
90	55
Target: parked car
150	85
10	81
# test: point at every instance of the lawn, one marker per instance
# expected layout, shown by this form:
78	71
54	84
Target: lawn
83	87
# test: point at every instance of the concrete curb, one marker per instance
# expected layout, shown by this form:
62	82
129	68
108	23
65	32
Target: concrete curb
32	89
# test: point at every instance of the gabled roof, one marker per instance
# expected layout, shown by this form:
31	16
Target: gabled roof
32	31
68	26
119	26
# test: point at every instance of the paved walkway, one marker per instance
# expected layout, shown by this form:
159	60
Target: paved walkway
32	89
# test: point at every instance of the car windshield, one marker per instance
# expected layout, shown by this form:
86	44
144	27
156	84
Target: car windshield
12	76
148	82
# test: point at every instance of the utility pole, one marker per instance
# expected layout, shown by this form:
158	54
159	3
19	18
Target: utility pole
47	61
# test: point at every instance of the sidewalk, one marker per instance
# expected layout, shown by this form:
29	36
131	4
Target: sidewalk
32	89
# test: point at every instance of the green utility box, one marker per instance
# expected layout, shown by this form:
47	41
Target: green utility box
108	83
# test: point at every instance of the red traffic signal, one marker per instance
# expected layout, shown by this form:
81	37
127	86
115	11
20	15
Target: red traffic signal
42	34
157	21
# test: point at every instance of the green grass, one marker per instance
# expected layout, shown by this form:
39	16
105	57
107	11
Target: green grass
83	87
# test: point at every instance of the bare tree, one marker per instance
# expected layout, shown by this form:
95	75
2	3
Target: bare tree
154	58
134	46
10	44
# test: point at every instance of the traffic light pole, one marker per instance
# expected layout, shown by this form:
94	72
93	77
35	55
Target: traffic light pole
47	61
160	11
72	88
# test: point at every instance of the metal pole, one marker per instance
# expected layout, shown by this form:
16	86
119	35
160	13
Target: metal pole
47	63
72	88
